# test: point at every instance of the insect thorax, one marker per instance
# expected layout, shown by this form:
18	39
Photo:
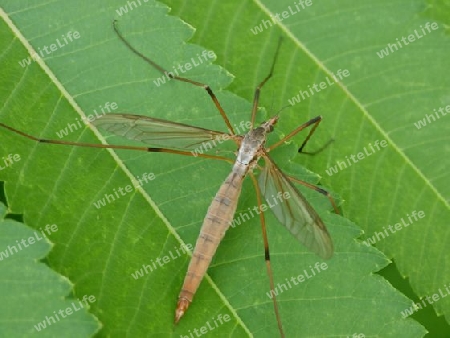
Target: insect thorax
251	144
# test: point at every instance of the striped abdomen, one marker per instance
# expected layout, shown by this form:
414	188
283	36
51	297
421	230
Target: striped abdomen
217	221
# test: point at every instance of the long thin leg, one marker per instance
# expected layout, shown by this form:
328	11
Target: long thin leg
312	153
263	82
267	254
314	121
179	78
316	188
113	146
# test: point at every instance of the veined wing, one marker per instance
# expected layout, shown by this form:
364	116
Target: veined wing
293	211
158	132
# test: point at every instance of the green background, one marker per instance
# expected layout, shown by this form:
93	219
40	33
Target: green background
98	249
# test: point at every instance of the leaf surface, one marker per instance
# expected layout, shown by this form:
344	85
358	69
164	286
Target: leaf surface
36	299
150	224
402	97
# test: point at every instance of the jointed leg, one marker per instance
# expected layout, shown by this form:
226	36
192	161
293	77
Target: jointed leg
267	254
112	146
263	82
312	153
314	121
316	188
179	78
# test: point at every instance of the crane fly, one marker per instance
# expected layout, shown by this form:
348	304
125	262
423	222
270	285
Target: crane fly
295	213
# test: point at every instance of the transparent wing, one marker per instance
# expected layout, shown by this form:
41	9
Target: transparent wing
158	132
293	211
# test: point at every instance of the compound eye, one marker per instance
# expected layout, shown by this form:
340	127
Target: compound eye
271	128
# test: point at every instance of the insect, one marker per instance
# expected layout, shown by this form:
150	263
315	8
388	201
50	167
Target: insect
294	212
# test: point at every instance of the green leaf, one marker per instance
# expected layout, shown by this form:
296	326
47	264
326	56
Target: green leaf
32	293
100	248
383	98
